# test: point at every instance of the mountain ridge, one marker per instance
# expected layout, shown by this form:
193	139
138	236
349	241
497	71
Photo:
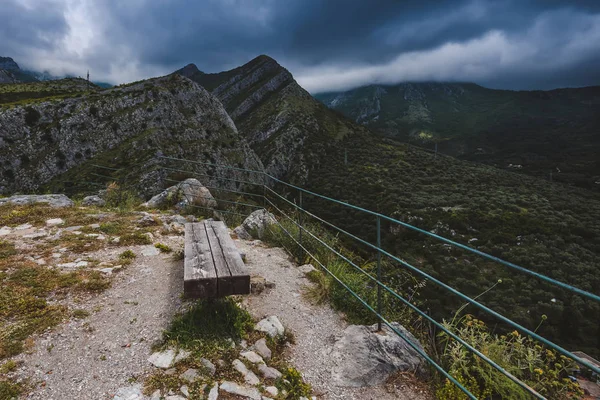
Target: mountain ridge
540	131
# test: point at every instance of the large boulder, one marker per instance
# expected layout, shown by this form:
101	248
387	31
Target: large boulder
366	357
54	200
185	193
255	225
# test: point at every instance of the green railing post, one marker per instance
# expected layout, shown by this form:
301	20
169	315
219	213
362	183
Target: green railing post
379	271
300	228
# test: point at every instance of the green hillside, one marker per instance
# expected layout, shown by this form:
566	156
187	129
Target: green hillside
543	132
547	227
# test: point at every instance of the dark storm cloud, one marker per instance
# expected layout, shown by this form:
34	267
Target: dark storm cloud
327	44
23	26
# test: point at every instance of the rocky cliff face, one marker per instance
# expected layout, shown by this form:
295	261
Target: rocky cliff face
286	127
11	73
58	141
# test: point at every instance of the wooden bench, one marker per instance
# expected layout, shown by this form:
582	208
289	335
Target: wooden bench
213	266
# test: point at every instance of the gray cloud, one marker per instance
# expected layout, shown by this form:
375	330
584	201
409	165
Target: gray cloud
327	45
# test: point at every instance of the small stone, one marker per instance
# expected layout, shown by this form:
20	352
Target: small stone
272	390
243	344
107	271
234	388
261	348
306	268
101	237
149	236
5	230
105	264
116	239
271	326
257	284
209	366
22	227
171	371
190	375
214	392
182	355
252	357
73	228
175	397
129	393
184	389
95	226
93	201
155	395
146	220
56	255
41	261
162	359
150	251
249	376
55	222
36	235
268	372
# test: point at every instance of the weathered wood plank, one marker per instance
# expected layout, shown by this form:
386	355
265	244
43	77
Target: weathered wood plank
200	278
238	281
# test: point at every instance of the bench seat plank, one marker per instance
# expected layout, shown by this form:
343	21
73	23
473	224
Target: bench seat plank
200	278
213	266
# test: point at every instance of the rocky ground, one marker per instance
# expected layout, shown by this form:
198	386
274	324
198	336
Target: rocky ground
101	348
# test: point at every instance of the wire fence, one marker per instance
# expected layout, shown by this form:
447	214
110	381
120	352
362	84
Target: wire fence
239	191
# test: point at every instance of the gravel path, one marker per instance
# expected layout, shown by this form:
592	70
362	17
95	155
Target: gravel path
92	357
315	328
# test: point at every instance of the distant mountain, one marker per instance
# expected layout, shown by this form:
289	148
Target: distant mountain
534	132
53	133
283	123
11	73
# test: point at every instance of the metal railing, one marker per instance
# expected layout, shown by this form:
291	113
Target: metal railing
258	189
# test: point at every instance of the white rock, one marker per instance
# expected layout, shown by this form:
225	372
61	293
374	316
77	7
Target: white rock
5	230
41	261
150	251
234	388
209	366
271	326
162	359
268	372
73	228
249	376
56	255
184	389
95	226
129	393
55	222
307	268
182	355
252	357
257	223
365	357
189	375
36	235
272	390
155	395
107	271
22	227
214	392
262	349
53	200
116	239
175	397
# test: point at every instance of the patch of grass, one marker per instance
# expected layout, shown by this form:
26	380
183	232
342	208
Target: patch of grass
24	306
7	249
37	214
208	325
80	314
8	366
163	248
135	238
293	384
127	255
10	390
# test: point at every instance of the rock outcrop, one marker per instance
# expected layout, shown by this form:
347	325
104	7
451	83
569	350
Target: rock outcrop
187	193
53	200
255	225
288	129
127	128
365	357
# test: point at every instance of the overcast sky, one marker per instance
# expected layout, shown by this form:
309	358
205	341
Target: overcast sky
326	44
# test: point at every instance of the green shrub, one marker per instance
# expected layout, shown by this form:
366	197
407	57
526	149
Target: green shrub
540	368
163	248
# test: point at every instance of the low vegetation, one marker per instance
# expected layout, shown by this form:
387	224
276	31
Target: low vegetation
224	324
539	367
